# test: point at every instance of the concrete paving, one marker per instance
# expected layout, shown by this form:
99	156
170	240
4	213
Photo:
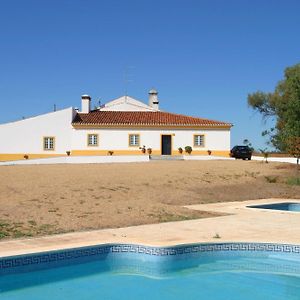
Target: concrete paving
242	224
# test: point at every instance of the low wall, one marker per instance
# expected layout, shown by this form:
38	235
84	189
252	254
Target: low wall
127	159
291	160
79	160
205	157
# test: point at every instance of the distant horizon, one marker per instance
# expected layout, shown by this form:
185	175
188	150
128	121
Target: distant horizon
204	58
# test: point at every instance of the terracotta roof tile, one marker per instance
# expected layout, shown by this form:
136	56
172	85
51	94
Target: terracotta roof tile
143	118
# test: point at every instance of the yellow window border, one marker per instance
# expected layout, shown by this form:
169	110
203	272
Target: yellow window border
139	137
88	140
199	146
49	137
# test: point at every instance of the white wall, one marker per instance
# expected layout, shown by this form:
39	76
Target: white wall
26	136
79	160
117	139
292	160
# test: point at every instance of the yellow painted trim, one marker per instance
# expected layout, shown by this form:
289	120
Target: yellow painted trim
88	139
105	152
20	156
186	127
49	137
204	138
223	153
129	134
171	135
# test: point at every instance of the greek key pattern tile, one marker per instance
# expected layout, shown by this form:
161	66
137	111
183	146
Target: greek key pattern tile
102	250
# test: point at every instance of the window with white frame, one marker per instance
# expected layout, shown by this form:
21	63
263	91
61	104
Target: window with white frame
134	140
49	143
199	140
92	139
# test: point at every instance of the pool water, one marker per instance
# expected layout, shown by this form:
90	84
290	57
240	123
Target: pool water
286	206
131	276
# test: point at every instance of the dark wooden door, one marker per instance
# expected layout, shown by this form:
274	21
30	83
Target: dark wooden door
166	144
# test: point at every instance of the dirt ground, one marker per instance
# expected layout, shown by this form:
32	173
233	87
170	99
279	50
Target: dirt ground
41	200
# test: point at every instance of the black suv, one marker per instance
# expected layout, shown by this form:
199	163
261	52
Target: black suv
243	152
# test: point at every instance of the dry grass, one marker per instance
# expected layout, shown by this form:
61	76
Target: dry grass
40	200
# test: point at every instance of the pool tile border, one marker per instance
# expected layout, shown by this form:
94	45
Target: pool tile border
53	257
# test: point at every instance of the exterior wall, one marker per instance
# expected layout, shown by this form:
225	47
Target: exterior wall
218	141
26	136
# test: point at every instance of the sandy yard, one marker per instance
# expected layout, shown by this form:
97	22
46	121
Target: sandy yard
41	200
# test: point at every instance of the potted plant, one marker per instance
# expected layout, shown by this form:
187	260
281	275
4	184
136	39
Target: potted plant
26	156
68	153
209	152
180	150
188	149
149	151
143	149
110	152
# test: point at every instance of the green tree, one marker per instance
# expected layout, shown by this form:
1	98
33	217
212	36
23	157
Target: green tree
284	105
293	147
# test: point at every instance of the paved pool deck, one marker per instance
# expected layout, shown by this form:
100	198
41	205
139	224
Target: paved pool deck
242	224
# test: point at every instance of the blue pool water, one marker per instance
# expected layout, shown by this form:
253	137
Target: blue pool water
287	206
222	274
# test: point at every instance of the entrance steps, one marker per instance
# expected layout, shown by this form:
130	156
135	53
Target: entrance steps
166	157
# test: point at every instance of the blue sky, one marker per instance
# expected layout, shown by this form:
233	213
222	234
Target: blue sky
203	57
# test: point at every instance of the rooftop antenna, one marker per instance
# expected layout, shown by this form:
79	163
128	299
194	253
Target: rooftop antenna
99	104
127	79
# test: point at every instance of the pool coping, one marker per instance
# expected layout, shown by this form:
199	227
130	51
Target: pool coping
241	225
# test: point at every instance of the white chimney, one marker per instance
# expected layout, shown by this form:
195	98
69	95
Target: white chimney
153	99
85	104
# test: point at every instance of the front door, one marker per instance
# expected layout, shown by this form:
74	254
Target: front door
166	145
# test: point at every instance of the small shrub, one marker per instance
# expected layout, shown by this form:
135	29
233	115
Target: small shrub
209	152
68	153
26	156
180	150
32	222
188	149
216	236
3	234
271	179
149	151
293	181
110	152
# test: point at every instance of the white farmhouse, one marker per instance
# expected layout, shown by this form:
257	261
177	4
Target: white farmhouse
124	126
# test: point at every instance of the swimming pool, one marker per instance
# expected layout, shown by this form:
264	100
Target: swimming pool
286	206
198	271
